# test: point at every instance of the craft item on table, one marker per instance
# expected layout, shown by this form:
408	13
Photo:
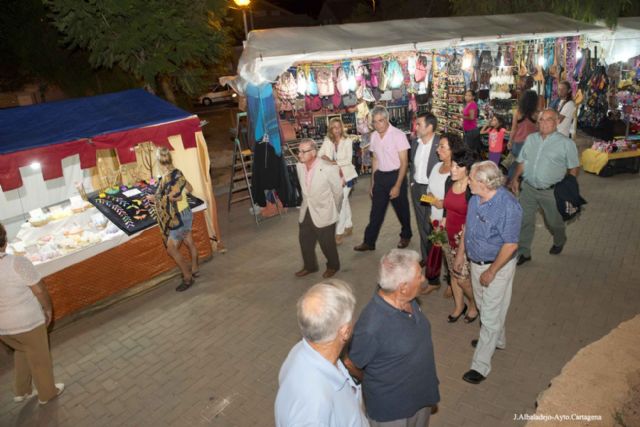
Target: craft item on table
98	221
18	248
75	229
112	190
44	239
38	218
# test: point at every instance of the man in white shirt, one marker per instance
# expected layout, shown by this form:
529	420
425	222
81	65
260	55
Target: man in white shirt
423	157
315	388
566	109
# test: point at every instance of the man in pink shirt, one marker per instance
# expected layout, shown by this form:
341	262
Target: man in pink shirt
390	149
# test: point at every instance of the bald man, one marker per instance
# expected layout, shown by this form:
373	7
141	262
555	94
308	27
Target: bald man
546	157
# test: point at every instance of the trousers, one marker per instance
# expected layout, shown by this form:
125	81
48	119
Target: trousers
420	419
309	235
32	360
423	219
382	184
344	220
493	303
531	199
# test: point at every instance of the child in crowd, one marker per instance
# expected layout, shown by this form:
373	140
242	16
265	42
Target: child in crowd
496	131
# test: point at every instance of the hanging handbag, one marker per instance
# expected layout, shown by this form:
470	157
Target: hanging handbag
384	79
422	69
325	82
301	82
312	86
342	82
349	100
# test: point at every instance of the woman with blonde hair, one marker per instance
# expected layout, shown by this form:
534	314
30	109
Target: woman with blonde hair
337	148
175	216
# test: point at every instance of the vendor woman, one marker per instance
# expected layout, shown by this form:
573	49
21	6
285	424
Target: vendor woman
470	122
175	217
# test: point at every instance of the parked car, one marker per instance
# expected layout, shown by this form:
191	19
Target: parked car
217	94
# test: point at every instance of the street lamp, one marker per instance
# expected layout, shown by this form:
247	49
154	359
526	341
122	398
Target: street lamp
244	5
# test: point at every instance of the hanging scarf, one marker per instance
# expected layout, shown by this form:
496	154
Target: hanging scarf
166	209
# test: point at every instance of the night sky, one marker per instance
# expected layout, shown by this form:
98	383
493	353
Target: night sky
309	7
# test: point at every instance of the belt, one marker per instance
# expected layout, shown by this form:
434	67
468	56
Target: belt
482	262
542	189
388	172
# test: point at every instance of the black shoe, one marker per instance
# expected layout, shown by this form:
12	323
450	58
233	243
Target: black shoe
453	319
184	285
474	344
363	247
403	243
555	250
473	377
522	259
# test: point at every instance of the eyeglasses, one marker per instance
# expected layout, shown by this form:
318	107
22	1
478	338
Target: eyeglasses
306	151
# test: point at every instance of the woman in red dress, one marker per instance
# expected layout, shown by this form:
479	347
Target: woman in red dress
457	195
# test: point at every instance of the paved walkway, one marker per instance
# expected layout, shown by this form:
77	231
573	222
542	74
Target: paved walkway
210	356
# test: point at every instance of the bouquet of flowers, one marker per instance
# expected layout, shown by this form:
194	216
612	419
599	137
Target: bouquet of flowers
438	234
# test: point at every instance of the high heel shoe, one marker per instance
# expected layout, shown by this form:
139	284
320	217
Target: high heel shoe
453	319
469	319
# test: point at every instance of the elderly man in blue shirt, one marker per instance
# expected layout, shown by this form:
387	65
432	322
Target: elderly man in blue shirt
490	240
392	350
315	387
546	157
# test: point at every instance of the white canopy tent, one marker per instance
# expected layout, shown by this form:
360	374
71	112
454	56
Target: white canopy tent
621	43
268	53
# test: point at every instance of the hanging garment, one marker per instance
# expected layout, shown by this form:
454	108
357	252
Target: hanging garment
268	173
263	118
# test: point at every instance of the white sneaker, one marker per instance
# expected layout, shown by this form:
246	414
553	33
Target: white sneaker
60	387
18	399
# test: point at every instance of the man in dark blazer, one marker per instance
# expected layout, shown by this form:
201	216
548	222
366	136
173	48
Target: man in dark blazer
423	157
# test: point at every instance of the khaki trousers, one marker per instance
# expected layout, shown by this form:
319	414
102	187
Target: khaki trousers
32	360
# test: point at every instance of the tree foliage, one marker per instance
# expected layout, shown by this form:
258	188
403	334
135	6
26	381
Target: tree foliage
31	53
171	44
582	10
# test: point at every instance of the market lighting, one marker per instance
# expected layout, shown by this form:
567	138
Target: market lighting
242	3
35	166
541	61
466	62
578	54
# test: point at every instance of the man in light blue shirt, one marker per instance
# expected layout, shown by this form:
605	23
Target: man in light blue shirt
546	157
315	387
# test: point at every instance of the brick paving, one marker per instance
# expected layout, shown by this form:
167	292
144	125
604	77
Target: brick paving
210	356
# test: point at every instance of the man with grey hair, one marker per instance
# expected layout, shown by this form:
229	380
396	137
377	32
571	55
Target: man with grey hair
546	157
319	212
490	240
391	349
315	387
390	161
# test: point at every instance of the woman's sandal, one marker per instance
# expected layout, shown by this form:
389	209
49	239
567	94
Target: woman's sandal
184	285
468	319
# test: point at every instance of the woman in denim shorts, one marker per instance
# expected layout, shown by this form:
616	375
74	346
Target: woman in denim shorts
175	217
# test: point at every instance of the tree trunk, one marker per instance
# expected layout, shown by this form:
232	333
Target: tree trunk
165	84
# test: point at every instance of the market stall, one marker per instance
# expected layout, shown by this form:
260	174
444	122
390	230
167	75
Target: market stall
297	79
73	176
